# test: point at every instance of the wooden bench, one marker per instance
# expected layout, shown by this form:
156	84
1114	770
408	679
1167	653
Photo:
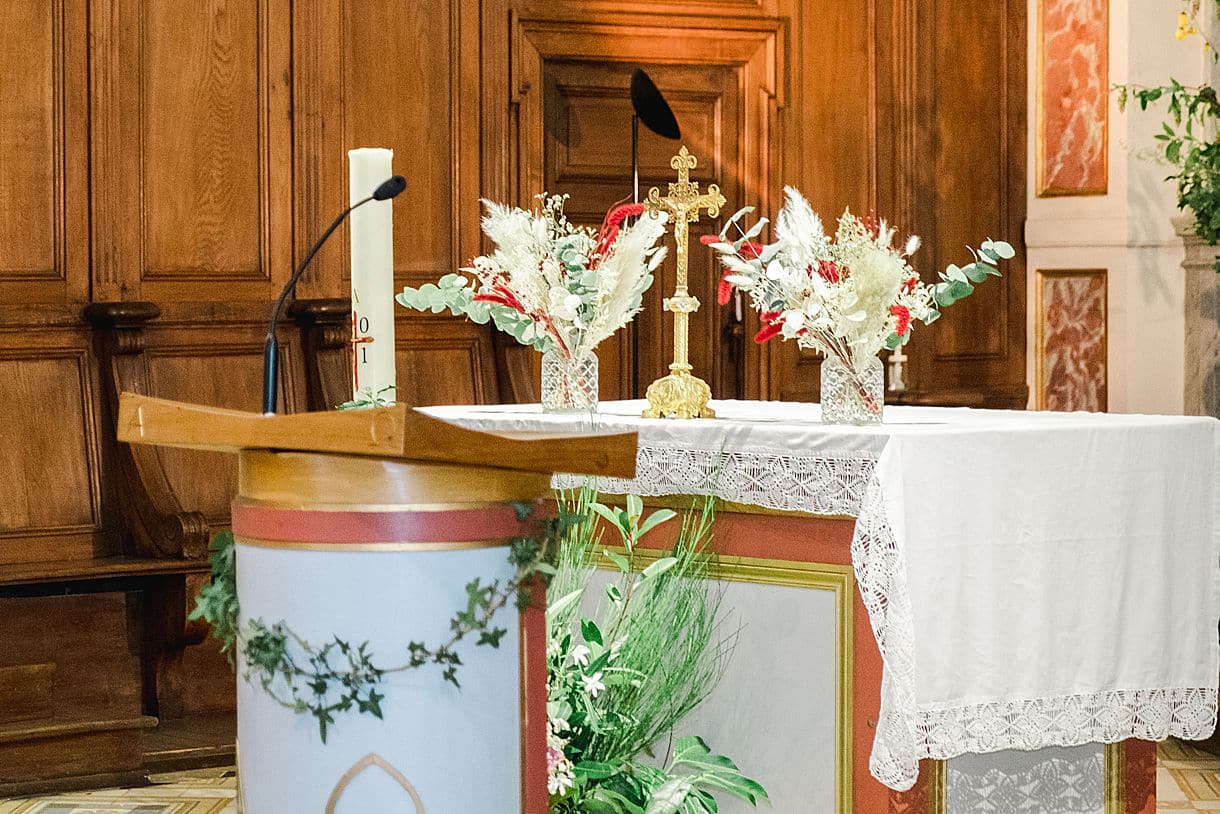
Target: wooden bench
93	646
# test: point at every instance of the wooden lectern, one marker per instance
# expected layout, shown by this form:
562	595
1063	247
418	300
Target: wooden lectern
367	525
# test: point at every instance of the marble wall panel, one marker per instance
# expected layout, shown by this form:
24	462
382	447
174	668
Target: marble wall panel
1071	358
1073	97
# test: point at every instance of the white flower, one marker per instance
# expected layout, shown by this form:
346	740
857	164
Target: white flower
776	271
913	244
563	304
794	321
580	655
593	684
740	281
560	780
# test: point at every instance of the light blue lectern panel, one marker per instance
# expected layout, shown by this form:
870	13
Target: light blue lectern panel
776	712
459	749
1048	781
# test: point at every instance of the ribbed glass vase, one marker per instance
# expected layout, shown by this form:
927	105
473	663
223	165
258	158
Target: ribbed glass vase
569	385
853	396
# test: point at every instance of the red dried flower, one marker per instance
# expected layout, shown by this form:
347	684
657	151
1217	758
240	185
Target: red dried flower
725	292
904	319
610	226
828	270
708	240
910	284
768	332
751	249
871	224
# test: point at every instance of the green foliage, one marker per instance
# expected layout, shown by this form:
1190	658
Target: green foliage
957	283
1188	142
621	681
452	293
365	398
339	676
217	602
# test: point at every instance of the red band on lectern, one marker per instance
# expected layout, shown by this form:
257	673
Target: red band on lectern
498	522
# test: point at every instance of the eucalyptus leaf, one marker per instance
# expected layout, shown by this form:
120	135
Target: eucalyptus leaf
659	567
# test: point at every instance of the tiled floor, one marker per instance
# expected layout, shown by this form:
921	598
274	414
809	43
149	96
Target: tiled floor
1188	780
206	791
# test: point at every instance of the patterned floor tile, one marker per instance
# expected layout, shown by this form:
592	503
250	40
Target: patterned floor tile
208	792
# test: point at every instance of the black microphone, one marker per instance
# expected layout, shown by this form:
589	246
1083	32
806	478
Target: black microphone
388	189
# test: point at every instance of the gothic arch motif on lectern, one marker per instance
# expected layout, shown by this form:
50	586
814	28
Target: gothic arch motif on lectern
369	761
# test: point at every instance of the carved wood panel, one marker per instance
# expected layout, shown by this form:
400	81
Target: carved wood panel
192	150
189	363
49	484
44	247
574	128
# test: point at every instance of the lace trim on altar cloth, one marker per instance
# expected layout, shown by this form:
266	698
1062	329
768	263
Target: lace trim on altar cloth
1064	783
823	484
905	734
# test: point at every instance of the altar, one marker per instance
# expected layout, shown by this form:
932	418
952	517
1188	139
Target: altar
971	607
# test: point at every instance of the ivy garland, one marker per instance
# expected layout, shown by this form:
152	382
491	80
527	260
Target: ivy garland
341	677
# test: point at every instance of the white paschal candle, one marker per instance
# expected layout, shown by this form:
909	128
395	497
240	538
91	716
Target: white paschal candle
372	239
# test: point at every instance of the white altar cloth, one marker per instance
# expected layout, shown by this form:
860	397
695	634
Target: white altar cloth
1032	579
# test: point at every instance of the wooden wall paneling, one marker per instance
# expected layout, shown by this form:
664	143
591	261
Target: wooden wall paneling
50	478
91	724
440	360
444	361
831	149
326	335
412	85
44	205
192	150
224	368
623	10
959	169
572	134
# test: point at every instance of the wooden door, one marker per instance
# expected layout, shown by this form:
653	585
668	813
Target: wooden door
574	136
887	117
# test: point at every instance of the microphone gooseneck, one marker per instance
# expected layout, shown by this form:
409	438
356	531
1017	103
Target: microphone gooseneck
388	189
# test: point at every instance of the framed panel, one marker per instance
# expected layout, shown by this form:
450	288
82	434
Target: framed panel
1073	88
191	147
779	577
44	247
1070	356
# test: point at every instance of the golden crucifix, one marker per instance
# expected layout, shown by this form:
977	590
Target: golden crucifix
681	395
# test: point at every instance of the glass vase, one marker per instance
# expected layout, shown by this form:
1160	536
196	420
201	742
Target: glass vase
853	396
569	385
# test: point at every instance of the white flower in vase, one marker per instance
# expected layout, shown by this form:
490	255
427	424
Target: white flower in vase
847	297
555	286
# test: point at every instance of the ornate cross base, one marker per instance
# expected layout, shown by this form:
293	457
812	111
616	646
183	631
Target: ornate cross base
679	395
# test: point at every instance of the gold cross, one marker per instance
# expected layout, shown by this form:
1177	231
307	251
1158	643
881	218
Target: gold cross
681	395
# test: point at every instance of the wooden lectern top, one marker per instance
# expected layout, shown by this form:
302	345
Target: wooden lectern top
397	432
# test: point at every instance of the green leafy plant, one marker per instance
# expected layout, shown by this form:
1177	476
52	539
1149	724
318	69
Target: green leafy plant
365	398
341	676
1188	138
622	680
